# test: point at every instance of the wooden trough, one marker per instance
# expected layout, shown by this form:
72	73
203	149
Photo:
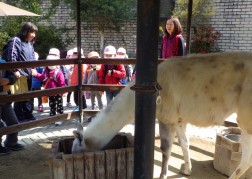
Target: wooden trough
115	161
228	152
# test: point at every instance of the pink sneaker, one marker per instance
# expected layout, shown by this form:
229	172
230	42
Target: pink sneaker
40	108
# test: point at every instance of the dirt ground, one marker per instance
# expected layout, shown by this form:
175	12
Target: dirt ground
32	162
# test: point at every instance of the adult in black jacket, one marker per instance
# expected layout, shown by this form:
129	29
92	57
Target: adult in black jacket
20	48
7	114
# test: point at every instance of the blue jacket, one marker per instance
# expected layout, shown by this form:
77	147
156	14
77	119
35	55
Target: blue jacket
21	51
36	83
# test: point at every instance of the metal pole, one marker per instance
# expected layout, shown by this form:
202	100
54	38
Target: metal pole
188	29
146	68
79	62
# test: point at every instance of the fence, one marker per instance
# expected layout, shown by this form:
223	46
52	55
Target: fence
47	92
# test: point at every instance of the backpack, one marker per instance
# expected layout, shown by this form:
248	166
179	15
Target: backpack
129	72
54	76
64	71
176	43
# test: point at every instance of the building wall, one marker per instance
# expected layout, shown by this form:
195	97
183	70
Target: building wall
90	36
233	20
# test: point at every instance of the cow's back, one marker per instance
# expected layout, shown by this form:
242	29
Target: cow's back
203	89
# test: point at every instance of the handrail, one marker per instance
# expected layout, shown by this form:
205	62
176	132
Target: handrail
44	121
59	90
47	92
39	63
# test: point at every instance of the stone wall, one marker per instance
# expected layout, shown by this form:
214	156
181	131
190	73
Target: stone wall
233	21
90	37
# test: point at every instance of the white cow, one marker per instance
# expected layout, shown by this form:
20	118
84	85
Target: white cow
202	90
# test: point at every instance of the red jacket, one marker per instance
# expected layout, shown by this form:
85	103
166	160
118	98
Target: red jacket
118	73
74	76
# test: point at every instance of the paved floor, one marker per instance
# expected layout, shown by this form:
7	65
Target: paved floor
50	130
36	134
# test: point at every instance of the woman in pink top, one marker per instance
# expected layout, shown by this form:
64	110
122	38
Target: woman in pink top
173	42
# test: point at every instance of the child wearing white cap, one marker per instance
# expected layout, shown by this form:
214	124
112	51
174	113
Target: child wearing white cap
91	77
37	84
54	51
53	78
121	53
75	80
111	74
69	71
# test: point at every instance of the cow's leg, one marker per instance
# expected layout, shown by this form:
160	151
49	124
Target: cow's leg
167	134
246	159
184	143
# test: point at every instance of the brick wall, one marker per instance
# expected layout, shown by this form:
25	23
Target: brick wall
90	37
233	20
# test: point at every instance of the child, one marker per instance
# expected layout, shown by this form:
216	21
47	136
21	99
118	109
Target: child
91	76
75	80
111	74
53	77
69	71
121	53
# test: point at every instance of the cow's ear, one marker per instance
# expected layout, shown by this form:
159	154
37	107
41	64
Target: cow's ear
78	135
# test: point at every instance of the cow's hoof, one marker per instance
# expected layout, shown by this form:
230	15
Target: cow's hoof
163	176
185	170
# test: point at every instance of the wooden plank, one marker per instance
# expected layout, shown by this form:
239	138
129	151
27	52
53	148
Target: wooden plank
100	165
50	163
59	169
34	137
121	163
78	166
36	123
89	165
58	133
49	134
130	162
22	142
41	135
28	141
110	164
66	132
65	145
69	165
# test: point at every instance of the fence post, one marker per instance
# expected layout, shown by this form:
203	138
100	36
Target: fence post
80	102
146	69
